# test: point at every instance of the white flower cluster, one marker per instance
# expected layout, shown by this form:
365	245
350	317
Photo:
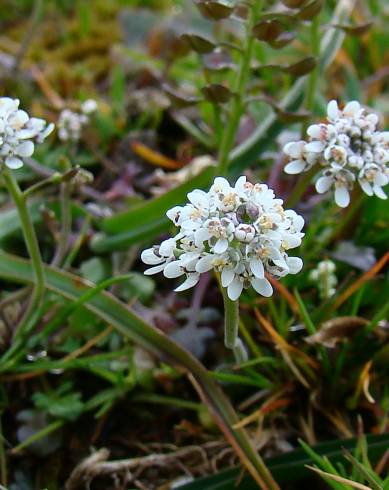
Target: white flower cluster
325	277
349	147
19	132
241	232
71	123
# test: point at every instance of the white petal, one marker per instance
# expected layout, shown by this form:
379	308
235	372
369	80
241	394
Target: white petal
366	187
173	269
148	257
227	276
198	198
190	281
25	149
379	192
262	286
314	131
342	197
294	149
234	290
295	167
239	185
26	133
333	110
221	246
204	264
13	162
173	213
295	264
19	119
221	184
351	108
167	247
45	133
200	236
323	184
155	270
257	269
293	241
315	146
380	179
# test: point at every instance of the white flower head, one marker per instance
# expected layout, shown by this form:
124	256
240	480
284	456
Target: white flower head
71	123
242	232
350	149
19	132
324	275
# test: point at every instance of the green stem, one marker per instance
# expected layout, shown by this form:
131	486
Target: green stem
231	328
314	76
38	435
237	104
168	400
66	225
30	316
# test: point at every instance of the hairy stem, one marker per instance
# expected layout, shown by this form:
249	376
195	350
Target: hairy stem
231	328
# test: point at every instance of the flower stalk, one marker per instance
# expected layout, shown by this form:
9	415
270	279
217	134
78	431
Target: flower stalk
237	104
231	327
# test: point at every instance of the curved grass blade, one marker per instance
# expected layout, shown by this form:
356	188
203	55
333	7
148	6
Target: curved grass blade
115	313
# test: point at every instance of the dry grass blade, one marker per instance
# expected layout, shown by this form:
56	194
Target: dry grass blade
281	342
273	403
289	298
359	282
339	479
153	157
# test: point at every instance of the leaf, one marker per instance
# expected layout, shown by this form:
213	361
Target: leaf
144	221
308	12
214	10
268	30
219	60
298	69
283	40
130	325
336	330
302	67
180	99
60	403
198	43
216	93
294	4
356	30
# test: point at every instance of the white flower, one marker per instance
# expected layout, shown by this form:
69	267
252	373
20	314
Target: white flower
325	277
89	106
242	232
70	123
349	147
19	132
